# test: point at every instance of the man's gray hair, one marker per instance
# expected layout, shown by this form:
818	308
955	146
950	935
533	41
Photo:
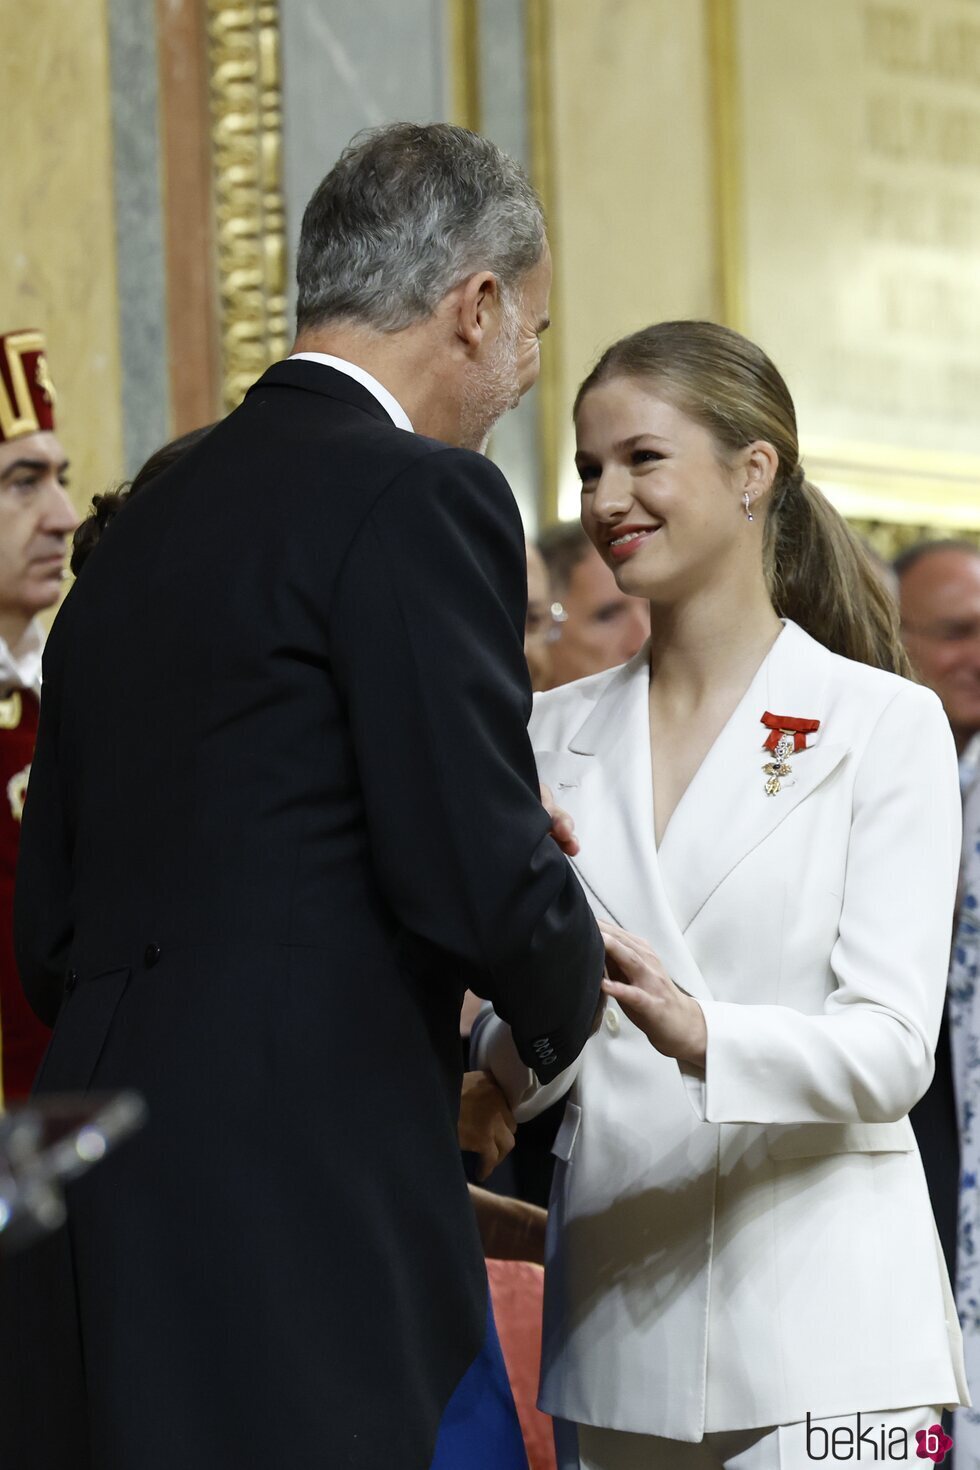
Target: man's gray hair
406	213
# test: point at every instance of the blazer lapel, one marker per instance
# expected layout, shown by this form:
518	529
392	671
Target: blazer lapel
725	812
604	780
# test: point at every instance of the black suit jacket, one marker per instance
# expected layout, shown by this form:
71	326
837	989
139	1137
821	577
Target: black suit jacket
938	1136
283	810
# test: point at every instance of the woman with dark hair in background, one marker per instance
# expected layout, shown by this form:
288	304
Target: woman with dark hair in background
743	1267
105	507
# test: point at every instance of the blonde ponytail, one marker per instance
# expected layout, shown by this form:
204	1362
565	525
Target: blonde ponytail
821	576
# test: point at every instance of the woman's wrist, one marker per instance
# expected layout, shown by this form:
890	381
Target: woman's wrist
697	1055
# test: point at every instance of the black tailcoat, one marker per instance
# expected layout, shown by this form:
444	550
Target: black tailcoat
283	810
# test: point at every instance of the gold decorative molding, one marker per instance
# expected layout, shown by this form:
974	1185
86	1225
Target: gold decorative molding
727	150
246	141
188	214
464	42
889	538
900	486
538	18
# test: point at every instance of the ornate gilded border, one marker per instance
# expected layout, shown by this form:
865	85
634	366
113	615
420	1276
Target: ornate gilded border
464	44
888	538
250	225
723	66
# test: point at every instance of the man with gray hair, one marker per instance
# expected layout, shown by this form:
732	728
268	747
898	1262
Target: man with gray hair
454	325
283	812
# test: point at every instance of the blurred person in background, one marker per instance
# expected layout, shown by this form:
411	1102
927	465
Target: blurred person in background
600	626
939	599
541	628
939	595
36	519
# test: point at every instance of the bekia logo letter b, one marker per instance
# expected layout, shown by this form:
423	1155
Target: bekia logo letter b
933	1444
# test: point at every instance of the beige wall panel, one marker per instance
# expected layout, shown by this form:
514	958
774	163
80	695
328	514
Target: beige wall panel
57	247
632	201
858	133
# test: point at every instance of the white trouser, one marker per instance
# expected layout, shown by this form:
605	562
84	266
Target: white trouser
889	1436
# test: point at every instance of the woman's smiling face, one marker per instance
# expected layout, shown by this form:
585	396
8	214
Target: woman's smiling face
661	506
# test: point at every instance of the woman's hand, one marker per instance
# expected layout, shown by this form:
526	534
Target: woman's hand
562	826
671	1020
486	1124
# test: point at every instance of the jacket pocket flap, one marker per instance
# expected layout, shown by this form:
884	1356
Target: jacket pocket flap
809	1140
80	1032
568	1132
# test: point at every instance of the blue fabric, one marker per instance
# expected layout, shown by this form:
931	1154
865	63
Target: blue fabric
480	1429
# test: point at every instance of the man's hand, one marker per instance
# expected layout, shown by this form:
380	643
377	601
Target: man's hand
562	826
671	1020
486	1124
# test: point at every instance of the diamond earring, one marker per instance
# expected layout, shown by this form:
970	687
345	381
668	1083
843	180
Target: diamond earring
745	501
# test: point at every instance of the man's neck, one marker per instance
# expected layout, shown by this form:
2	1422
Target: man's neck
402	362
14	623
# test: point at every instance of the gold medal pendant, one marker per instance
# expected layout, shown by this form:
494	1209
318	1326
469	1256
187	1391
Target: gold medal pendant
787	736
779	766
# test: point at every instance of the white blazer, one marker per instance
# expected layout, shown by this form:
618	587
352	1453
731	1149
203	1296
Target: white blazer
735	1248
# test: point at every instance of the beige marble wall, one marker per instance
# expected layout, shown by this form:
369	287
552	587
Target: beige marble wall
57	245
631	179
859	214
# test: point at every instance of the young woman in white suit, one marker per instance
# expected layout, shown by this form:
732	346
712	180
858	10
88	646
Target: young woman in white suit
742	1255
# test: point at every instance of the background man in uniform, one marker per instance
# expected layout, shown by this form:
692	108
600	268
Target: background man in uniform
283	810
36	519
939	596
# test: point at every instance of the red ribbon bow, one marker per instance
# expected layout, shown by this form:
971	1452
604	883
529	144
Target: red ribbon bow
786	725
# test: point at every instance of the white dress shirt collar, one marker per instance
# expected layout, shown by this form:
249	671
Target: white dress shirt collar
20	666
387	400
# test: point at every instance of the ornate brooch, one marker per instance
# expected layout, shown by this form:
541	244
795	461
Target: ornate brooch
787	736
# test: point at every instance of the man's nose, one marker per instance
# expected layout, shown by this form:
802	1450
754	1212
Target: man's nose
60	516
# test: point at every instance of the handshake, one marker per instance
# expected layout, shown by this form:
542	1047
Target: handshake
671	1020
635	978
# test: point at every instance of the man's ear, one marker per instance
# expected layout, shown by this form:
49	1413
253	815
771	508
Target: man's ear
477	307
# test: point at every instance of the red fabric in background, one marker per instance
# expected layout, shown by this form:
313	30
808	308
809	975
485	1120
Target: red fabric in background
24	1037
517	1292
